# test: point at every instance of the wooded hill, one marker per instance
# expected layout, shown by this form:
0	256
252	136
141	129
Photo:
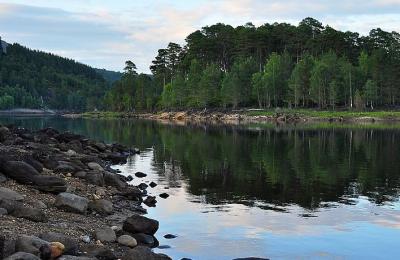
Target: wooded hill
273	65
35	79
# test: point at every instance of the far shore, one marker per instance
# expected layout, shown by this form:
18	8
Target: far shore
245	116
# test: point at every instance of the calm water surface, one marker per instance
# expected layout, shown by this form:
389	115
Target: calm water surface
298	192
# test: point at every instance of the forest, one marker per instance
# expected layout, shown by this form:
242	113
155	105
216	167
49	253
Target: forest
274	65
34	79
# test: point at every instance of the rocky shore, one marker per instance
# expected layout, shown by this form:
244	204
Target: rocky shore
60	199
232	117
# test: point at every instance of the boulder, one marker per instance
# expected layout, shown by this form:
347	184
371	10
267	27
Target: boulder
95	178
29	244
4	133
3	212
7	246
18	210
144	239
152	184
95	166
105	234
72	203
19	171
143	186
142	252
80	174
116	158
34	163
127	240
100	146
164	195
22	256
10	194
53	184
140	224
71	246
101	206
112	179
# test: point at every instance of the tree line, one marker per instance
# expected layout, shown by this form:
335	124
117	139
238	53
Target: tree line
34	79
273	65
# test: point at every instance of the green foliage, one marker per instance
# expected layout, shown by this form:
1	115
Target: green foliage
36	79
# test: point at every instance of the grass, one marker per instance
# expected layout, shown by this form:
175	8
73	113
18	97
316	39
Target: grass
327	113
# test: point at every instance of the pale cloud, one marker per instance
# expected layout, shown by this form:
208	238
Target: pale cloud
106	33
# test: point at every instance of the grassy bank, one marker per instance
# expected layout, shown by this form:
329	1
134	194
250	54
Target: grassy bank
328	114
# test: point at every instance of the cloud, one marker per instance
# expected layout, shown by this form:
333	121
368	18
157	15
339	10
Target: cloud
106	33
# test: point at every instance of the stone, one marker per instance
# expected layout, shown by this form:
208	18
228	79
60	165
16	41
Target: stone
150	201
101	206
112	179
127	240
3	212
105	234
2	178
85	239
71	246
100	146
100	191
80	174
64	168
170	236
8	194
52	184
144	239
98	251
140	174
71	153
143	186
140	224
164	195
4	133
142	252
22	256
38	204
19	171
18	210
34	163
95	166
116	158
29	244
95	178
72	203
71	257
129	178
152	184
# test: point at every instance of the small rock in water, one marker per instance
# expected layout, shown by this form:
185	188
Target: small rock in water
85	239
164	195
170	236
152	184
127	240
164	247
142	186
150	201
140	174
129	178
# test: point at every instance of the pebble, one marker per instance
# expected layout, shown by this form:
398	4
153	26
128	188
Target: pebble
127	240
85	239
164	195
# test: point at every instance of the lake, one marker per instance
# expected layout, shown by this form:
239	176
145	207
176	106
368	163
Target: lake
281	192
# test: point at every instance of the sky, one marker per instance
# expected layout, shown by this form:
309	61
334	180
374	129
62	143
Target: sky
106	33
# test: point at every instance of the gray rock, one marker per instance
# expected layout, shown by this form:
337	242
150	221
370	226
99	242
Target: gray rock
95	166
52	184
22	256
112	179
10	194
139	224
71	245
2	178
105	234
85	239
34	163
38	204
80	174
70	152
104	207
17	209
19	171
4	133
144	239
140	174
95	178
71	257
127	240
142	252
72	203
3	212
100	252
29	244
7	246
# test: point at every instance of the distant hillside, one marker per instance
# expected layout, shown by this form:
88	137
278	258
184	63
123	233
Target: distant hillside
35	79
109	76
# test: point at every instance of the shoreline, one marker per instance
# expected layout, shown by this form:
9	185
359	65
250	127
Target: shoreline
59	195
252	116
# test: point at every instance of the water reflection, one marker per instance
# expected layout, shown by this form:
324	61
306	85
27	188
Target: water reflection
289	192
